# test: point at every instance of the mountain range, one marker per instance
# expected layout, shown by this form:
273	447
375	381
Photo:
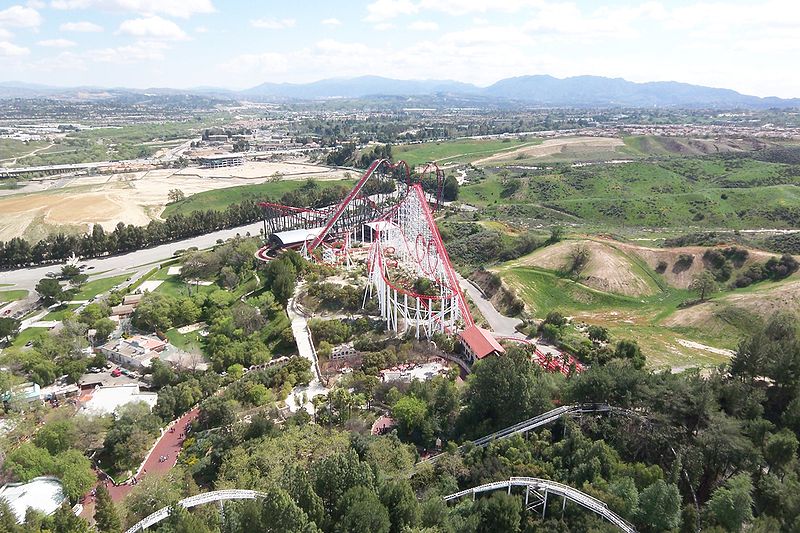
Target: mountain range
539	90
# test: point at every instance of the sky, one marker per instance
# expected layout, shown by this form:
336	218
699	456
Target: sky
747	45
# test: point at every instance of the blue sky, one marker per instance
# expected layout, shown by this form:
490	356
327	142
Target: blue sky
748	45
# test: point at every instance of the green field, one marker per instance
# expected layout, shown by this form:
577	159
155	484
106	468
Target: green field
99	286
459	151
175	286
625	317
190	342
11	296
60	313
28	335
707	192
220	199
11	148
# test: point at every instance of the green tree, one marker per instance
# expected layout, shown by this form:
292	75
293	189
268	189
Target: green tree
362	512
154	312
28	461
780	449
399	498
51	291
65	521
411	414
9	328
334	475
732	504
103	327
106	515
279	513
76	474
627	349
500	512
703	284
660	507
57	436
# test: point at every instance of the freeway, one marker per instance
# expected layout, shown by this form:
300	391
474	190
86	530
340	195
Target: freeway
130	263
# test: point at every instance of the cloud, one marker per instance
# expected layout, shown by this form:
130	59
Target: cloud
388	9
57	43
201	29
172	8
331	22
273	24
82	27
20	17
153	27
266	64
8	49
134	53
424	25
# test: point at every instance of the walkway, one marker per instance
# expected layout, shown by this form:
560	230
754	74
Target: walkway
305	347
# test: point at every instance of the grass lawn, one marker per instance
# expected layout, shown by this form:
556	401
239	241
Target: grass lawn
11	296
457	151
28	335
190	342
98	286
10	148
625	317
175	286
61	312
220	199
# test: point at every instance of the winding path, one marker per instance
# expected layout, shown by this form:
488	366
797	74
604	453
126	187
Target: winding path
305	347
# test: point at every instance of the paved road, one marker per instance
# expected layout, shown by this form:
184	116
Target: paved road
139	261
499	323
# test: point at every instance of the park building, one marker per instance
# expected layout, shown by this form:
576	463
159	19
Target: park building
478	344
222	160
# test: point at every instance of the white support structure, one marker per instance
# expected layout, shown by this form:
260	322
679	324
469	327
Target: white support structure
539	489
207	497
408	247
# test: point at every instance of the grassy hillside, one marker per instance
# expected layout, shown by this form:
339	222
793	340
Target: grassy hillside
459	151
708	192
220	199
609	293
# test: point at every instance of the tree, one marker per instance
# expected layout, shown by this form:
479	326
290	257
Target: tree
598	334
500	512
70	271
411	414
399	498
217	412
27	462
9	328
56	437
362	512
780	449
65	521
627	349
51	291
76	474
660	506
106	515
703	284
279	513
732	504
154	312
103	328
175	195
334	475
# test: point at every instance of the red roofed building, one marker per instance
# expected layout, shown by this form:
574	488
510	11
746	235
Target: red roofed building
479	343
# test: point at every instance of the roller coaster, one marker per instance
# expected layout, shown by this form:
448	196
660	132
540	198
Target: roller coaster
409	271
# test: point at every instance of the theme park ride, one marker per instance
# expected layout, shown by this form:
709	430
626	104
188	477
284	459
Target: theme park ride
408	268
409	271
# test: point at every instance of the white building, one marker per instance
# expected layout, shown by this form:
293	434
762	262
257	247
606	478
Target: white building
44	494
106	400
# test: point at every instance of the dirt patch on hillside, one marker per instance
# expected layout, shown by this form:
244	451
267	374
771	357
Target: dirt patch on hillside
698	147
608	269
552	147
679	274
762	303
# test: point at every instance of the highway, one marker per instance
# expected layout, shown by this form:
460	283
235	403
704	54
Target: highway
130	263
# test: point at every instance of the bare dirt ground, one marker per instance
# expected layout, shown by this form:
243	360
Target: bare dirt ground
132	198
552	147
679	277
761	303
608	270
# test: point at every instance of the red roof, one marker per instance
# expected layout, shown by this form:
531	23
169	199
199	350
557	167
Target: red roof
480	341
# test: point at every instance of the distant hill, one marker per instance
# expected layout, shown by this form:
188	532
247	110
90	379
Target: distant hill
540	90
